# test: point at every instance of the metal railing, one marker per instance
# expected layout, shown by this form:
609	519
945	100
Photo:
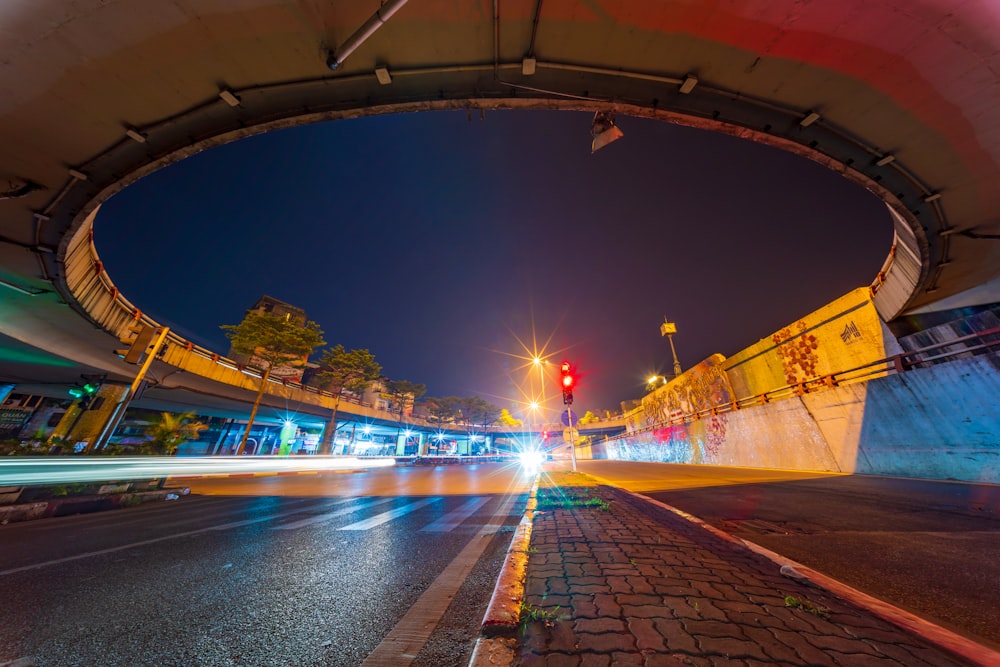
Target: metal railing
985	341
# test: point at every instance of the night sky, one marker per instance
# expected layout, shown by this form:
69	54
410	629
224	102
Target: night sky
452	248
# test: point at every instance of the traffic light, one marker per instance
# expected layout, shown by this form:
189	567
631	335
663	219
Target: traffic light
87	395
84	390
567	383
137	338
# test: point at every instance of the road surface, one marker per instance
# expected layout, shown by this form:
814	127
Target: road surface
388	566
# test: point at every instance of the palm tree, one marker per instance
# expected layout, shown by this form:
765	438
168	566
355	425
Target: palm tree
170	431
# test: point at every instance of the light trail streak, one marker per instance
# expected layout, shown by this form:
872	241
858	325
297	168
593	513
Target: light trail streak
26	471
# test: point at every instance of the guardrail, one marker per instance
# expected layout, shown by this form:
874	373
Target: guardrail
894	365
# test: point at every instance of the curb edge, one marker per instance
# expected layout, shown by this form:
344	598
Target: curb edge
496	645
935	634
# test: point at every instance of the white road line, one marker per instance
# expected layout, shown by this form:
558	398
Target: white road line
385	517
405	641
133	545
448	522
333	515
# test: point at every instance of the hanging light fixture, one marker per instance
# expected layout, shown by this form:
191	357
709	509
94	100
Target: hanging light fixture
604	130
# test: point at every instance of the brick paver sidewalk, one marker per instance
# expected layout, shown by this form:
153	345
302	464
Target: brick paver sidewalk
635	584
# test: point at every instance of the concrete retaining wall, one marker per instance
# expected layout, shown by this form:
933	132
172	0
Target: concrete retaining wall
941	422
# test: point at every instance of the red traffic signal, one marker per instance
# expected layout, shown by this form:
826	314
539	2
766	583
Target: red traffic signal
568	382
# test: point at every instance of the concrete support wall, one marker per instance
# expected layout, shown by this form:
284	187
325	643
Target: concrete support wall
941	422
84	426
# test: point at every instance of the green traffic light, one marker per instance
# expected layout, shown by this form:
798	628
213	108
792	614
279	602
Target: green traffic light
88	389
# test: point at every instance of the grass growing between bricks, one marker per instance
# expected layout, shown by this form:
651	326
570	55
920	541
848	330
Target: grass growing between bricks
806	605
532	614
564	490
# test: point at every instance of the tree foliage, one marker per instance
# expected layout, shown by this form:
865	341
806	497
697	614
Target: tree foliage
471	410
442	409
344	370
168	432
507	419
273	340
350	370
478	412
401	392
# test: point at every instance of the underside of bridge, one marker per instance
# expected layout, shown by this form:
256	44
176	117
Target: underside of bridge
897	96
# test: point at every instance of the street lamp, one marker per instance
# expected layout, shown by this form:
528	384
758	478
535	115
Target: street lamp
653	380
668	329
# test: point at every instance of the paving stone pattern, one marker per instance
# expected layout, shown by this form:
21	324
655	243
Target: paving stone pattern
638	585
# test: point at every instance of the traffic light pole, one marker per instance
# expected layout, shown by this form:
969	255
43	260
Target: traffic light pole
567	392
572	439
123	404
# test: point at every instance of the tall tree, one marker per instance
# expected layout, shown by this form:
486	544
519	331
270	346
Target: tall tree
271	341
402	392
478	412
442	409
344	370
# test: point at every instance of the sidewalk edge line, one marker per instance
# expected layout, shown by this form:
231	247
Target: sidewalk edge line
935	634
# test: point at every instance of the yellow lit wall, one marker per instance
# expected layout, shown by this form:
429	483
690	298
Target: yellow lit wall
844	334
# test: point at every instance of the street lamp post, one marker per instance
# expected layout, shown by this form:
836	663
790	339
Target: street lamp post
668	329
538	361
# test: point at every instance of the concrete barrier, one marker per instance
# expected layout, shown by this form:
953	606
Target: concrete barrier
940	422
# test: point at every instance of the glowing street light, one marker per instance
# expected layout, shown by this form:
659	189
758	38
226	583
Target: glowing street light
654	380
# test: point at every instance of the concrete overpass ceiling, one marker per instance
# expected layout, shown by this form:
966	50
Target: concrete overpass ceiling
900	95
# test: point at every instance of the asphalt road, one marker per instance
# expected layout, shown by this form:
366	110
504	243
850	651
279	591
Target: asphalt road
930	547
303	570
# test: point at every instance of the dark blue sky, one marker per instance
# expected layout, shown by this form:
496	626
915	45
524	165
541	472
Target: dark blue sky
437	242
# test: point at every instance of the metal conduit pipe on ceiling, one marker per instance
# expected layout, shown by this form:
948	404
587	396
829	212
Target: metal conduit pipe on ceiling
381	15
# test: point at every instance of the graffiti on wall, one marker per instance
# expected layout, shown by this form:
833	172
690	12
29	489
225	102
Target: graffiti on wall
842	335
663	445
699	441
701	387
798	352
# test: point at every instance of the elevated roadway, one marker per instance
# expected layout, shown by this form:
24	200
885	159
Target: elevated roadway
899	98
